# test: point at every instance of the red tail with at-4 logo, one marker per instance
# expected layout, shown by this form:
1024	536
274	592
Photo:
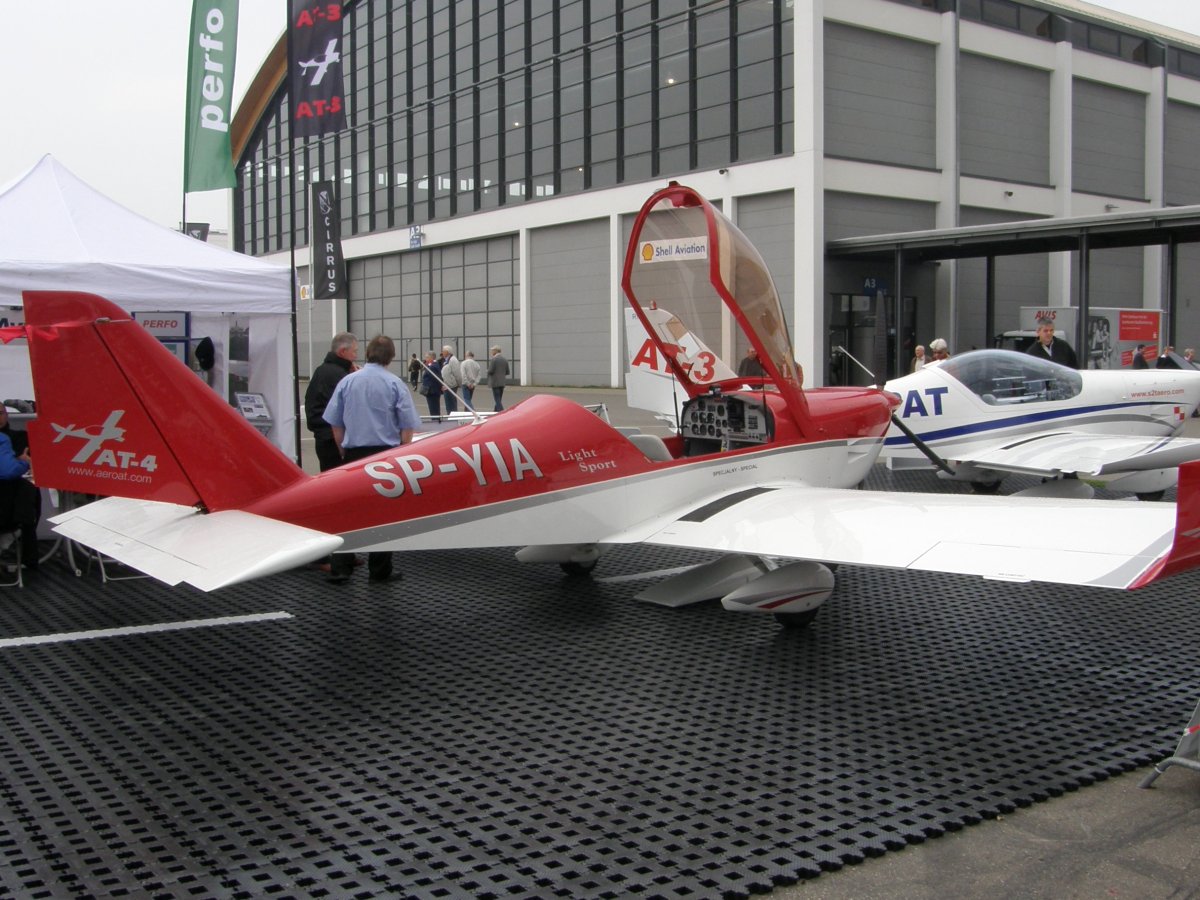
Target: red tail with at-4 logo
170	438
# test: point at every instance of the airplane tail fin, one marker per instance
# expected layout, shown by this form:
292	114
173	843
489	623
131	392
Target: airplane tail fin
119	415
1185	548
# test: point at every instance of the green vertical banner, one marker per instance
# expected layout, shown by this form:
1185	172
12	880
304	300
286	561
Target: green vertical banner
207	158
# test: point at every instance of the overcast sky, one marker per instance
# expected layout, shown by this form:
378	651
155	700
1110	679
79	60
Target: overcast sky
100	86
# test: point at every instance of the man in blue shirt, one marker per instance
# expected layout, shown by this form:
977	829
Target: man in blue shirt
371	410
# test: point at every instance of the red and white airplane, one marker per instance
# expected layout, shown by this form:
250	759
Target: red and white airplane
761	470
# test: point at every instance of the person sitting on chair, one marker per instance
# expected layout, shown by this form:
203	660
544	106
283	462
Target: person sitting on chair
20	501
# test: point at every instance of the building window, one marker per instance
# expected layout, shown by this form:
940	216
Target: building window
458	106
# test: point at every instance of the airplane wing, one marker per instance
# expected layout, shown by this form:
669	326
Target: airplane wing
1115	545
177	543
1084	454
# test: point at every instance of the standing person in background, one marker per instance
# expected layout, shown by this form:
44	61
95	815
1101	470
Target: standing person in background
339	362
414	371
20	500
1167	359
497	373
750	367
470	378
1139	357
918	362
430	386
371	410
451	377
1047	346
939	349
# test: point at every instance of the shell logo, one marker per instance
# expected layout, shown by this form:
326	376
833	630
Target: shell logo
647	252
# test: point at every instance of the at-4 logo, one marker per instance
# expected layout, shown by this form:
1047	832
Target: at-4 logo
95	436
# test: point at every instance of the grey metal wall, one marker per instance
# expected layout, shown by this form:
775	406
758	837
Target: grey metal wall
1187	311
1181	163
769	221
1003	120
464	295
1115	277
1020	281
850	215
569	288
1108	140
879	97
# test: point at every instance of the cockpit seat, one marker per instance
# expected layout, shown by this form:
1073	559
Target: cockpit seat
652	446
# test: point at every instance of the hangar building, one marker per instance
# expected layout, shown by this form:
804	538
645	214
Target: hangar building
497	152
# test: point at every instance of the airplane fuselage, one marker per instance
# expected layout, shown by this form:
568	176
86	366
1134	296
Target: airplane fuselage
550	472
953	420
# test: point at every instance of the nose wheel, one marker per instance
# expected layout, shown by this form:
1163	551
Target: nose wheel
798	620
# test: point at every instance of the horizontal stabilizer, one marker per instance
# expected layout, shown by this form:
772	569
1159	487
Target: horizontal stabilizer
1102	543
178	543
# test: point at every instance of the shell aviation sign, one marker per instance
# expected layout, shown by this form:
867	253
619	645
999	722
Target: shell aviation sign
674	250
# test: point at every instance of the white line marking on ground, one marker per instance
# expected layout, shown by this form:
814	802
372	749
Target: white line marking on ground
140	629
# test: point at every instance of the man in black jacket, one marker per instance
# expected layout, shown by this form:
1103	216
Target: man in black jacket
339	362
1047	347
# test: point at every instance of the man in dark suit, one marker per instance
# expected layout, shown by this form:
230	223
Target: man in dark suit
339	362
1167	360
1047	347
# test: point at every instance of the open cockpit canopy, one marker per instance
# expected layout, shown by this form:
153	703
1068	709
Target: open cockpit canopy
702	292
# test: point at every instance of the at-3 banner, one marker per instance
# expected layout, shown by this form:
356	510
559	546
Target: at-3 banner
315	93
328	265
207	159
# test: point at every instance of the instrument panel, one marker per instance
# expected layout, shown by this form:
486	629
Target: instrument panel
731	421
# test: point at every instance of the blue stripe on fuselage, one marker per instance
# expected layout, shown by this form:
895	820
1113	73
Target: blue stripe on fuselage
1009	422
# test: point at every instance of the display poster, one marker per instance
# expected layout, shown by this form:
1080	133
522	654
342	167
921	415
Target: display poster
238	357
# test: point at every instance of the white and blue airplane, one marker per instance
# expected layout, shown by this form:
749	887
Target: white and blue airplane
983	415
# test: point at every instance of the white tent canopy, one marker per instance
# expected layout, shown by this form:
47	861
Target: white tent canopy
59	233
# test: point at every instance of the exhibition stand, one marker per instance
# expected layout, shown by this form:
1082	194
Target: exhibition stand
58	233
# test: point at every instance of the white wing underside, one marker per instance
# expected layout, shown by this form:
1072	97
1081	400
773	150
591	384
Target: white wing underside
1102	543
1085	454
176	543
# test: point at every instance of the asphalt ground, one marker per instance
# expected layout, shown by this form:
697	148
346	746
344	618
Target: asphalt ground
1111	839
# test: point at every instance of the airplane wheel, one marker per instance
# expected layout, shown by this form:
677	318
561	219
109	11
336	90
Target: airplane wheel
796	621
985	487
1151	496
577	570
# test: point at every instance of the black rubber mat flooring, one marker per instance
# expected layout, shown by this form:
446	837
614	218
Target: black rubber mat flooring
489	729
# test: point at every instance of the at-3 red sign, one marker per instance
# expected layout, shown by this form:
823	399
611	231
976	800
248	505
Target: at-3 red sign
318	101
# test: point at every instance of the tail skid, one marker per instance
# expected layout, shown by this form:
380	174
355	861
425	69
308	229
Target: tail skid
178	441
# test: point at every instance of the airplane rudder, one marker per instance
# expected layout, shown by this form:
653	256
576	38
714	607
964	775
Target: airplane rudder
180	441
1185	548
92	433
227	459
1187	501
